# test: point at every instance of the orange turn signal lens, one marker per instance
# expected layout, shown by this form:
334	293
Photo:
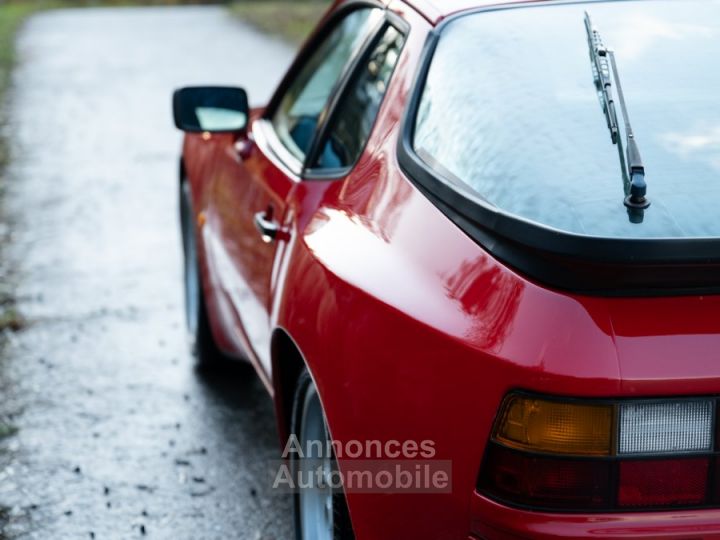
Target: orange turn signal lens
556	427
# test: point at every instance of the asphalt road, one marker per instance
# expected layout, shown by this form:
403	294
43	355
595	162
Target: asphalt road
118	436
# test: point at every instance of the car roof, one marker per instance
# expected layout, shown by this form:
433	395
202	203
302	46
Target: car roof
436	10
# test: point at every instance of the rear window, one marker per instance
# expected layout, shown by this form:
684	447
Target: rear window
509	114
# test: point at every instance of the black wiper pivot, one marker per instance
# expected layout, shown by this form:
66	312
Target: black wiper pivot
603	61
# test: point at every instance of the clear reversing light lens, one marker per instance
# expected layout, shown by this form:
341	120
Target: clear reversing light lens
675	426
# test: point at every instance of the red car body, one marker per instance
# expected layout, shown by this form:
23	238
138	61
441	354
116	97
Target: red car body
411	330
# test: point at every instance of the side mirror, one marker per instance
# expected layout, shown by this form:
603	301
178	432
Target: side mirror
215	109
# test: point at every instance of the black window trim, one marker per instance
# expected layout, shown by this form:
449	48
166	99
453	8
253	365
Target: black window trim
266	137
309	173
584	264
302	168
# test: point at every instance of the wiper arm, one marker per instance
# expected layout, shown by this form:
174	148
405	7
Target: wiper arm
599	55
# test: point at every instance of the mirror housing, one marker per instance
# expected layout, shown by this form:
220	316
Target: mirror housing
213	109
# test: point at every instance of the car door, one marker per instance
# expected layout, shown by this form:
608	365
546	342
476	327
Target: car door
255	175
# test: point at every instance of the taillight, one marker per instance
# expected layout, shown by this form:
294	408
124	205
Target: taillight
560	483
665	482
553	454
665	427
555	427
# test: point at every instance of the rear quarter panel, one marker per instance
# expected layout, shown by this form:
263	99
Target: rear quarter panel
413	332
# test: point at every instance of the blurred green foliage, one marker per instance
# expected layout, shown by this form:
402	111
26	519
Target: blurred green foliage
14	12
11	16
292	20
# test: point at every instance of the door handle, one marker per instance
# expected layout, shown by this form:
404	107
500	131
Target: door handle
266	226
244	148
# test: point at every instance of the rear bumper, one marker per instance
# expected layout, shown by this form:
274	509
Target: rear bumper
493	521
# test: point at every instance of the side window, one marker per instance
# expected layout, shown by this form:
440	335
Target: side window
299	112
354	116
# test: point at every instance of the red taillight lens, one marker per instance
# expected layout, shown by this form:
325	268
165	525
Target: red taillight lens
666	482
558	483
576	455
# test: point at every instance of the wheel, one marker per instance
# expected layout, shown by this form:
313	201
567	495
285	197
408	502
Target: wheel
204	348
321	513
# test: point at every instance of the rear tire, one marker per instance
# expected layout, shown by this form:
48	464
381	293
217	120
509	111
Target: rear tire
320	514
202	342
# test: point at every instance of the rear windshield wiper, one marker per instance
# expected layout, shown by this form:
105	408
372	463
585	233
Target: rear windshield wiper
603	61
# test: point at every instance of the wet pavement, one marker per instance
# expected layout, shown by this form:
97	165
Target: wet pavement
118	436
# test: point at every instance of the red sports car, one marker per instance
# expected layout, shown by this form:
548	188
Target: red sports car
479	242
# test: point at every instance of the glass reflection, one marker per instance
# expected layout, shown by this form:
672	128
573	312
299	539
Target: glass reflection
510	112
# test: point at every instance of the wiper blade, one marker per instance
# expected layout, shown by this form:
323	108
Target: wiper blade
601	74
603	62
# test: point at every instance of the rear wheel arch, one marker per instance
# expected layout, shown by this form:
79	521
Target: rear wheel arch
291	377
288	364
182	170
